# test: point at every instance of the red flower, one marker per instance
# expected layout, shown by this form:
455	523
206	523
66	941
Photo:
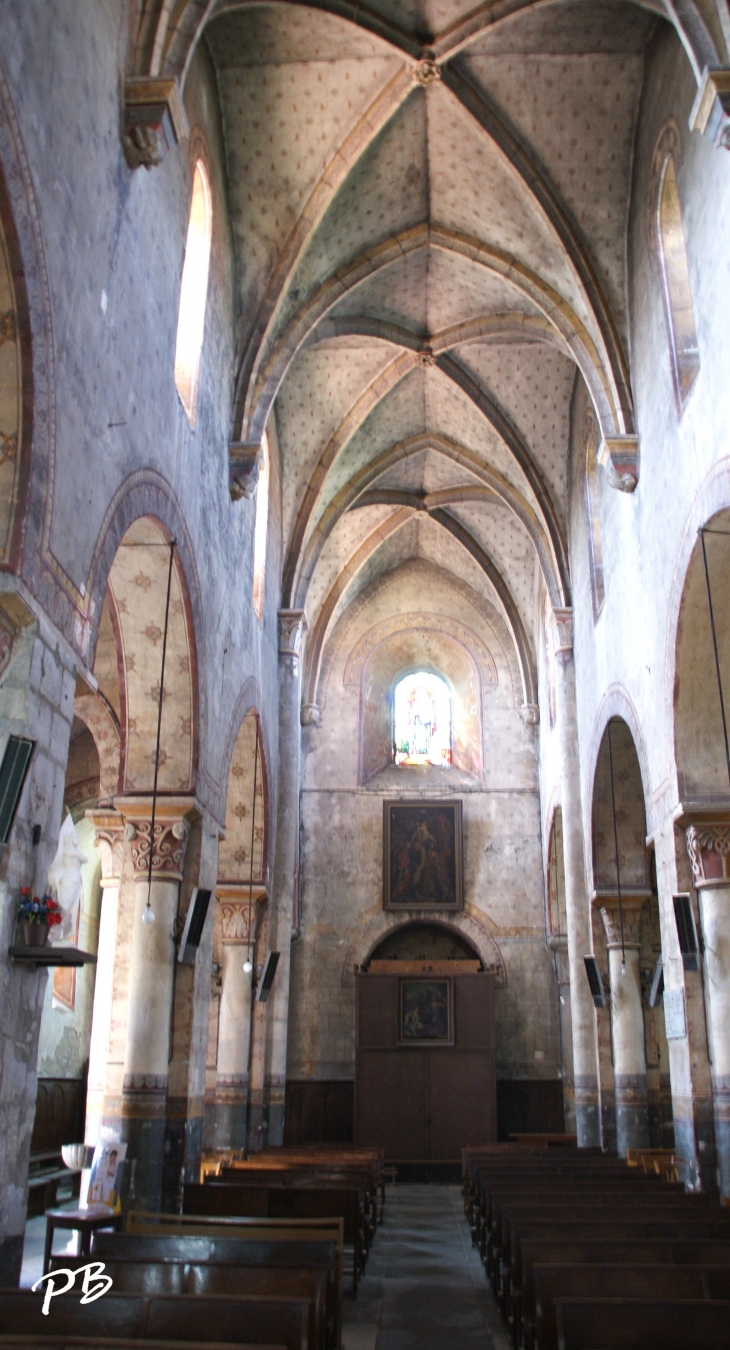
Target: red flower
53	919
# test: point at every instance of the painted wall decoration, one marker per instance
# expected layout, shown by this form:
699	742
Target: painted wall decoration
422	855
425	1012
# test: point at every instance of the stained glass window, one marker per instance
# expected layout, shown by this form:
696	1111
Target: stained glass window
422	717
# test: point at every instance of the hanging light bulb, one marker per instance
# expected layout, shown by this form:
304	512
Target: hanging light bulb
247	966
147	915
623	967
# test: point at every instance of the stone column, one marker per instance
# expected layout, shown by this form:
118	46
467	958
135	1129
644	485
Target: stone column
627	1019
708	845
234	1026
109	827
576	897
151	981
558	945
292	626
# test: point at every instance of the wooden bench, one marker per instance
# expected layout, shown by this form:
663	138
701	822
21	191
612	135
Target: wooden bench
112	1343
153	1278
249	1253
654	1282
265	1321
218	1200
640	1324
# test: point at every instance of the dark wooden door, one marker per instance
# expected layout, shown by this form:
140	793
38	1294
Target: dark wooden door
425	1103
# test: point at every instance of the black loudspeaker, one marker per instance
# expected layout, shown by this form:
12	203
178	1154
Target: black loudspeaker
686	931
657	984
194	925
13	773
595	981
267	977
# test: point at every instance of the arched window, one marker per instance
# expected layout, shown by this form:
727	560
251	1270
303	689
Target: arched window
683	353
422	720
193	293
260	528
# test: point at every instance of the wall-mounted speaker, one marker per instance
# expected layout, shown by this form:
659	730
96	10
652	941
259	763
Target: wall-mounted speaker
686	931
596	983
657	984
194	925
13	773
267	977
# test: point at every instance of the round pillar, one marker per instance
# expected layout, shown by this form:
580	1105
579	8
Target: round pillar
708	845
577	909
627	1021
234	1027
110	842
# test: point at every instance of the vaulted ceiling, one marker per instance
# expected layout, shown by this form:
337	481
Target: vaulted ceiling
430	253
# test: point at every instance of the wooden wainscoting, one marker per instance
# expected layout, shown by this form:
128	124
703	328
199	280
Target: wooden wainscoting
319	1112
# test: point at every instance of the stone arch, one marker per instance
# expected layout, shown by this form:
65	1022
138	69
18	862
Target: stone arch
146	495
137	591
556	921
711	506
399	646
246	809
617	749
469	925
98	715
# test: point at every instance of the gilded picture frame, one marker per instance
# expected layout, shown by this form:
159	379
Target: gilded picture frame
423	855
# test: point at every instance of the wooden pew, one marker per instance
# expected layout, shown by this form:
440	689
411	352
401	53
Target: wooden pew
152	1278
710	1254
638	1324
112	1343
654	1282
247	1253
217	1200
266	1321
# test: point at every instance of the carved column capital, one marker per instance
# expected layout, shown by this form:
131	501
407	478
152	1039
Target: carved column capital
530	714
154	120
563	630
234	909
631	905
710	113
708	847
619	456
310	715
292	627
243	469
173	818
109	839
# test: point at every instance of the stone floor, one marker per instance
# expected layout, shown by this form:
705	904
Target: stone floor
425	1287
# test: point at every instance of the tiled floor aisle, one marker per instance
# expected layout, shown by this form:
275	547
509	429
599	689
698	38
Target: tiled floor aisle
425	1288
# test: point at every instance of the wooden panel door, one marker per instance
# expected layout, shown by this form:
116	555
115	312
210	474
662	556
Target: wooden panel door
391	1101
461	1101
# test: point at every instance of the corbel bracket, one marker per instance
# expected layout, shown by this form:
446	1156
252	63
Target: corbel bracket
243	469
154	120
710	113
619	456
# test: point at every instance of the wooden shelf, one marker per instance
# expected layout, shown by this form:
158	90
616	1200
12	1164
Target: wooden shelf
50	956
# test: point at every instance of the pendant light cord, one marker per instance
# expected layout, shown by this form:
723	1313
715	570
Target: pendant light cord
615	844
159	728
253	835
249	947
701	533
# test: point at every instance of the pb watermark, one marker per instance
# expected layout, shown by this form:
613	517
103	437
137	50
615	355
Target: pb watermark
94	1284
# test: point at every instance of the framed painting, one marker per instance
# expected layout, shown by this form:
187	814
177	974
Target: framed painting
422	855
425	1012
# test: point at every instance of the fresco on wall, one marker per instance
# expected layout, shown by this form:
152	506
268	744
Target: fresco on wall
422	855
425	1012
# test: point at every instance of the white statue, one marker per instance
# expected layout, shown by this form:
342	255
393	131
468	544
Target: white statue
64	876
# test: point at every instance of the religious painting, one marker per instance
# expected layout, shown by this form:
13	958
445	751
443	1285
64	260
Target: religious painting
422	858
424	1012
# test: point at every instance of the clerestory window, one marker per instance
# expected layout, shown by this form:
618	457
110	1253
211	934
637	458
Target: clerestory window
193	293
422	720
679	315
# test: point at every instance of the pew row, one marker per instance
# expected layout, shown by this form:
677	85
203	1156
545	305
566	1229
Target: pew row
641	1324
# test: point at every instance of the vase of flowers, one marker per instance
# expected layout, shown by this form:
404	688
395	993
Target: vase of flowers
36	917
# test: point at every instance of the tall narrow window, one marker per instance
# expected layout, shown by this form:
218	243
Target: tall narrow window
683	353
593	514
422	717
193	293
260	528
